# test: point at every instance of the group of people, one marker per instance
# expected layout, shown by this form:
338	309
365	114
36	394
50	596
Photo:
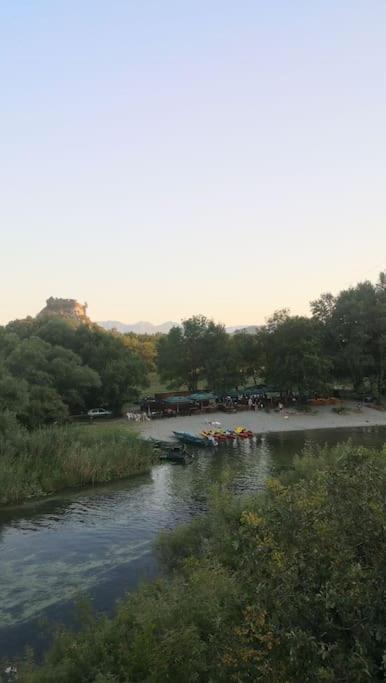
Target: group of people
137	417
256	402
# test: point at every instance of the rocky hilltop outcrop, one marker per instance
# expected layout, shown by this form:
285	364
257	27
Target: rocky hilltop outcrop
70	309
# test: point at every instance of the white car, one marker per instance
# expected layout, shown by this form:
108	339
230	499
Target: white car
99	412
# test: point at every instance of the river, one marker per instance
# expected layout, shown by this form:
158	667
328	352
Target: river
98	542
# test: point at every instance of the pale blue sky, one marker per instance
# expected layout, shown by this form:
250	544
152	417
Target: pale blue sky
160	159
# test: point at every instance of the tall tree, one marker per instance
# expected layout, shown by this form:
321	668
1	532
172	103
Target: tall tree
198	351
294	354
249	357
350	329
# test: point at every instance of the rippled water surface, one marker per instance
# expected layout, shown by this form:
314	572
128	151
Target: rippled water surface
99	542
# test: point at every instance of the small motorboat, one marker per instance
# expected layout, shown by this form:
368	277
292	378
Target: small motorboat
164	445
194	440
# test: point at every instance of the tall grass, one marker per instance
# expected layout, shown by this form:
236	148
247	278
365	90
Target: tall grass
47	460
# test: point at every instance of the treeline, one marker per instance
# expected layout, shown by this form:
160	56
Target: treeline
52	368
282	586
343	342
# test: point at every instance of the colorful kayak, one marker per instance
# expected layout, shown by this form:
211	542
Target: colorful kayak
243	433
219	436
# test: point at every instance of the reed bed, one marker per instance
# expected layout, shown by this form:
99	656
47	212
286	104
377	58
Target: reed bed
42	462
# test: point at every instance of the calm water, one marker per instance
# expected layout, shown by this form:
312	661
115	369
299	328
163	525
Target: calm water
99	542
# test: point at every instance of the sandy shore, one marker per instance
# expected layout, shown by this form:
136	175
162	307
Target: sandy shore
261	422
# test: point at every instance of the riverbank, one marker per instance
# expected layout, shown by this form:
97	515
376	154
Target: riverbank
45	461
261	422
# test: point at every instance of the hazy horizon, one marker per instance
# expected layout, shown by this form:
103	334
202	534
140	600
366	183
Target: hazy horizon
161	160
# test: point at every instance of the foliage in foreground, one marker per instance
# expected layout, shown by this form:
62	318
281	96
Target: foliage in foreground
49	459
288	586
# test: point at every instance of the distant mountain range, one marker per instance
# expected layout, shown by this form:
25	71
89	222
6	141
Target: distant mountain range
144	327
248	329
72	310
141	327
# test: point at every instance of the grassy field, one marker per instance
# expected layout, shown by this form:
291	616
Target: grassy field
42	462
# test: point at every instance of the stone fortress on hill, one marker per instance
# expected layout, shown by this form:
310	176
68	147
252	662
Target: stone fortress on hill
69	309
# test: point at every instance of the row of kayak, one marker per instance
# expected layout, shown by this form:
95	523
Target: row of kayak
227	434
169	450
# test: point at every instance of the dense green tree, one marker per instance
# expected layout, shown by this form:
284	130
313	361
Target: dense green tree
379	330
29	360
249	356
172	362
84	364
198	351
45	406
121	370
73	381
41	382
58	332
14	394
144	346
353	327
294	354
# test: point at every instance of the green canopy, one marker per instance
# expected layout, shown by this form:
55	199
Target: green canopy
201	396
233	393
176	400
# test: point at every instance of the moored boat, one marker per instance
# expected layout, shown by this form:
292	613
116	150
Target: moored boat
163	445
187	437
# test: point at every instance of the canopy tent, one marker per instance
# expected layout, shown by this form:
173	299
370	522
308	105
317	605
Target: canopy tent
177	400
254	392
202	396
257	389
233	393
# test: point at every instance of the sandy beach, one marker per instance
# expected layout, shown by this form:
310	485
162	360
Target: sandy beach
261	422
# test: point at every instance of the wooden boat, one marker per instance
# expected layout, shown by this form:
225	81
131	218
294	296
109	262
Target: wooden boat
164	445
186	437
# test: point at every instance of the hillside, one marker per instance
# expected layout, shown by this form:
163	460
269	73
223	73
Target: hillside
70	309
141	327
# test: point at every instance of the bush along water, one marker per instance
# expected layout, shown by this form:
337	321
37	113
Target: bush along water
283	586
46	460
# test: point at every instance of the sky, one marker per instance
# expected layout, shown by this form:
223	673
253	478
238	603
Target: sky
164	158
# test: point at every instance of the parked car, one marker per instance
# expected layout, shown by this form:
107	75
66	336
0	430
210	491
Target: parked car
366	398
99	412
